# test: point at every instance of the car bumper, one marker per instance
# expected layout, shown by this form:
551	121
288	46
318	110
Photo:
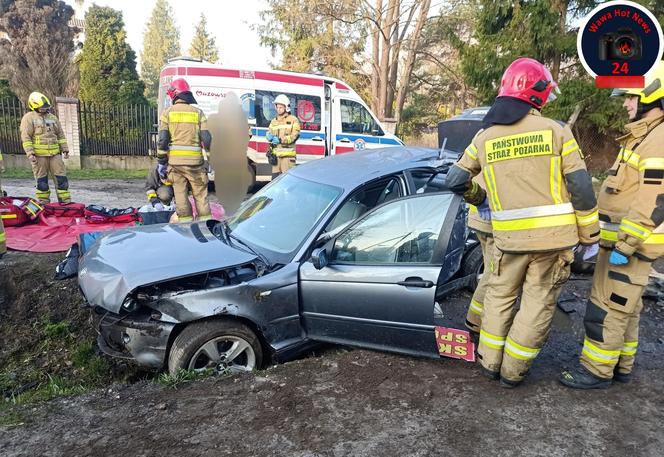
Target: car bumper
136	337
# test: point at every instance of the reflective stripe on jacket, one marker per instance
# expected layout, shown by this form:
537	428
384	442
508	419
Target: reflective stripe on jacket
287	128
184	124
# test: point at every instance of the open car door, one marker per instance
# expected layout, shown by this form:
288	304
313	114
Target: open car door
378	287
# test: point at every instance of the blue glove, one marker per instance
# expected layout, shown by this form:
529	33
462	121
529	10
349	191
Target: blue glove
275	140
484	211
161	169
618	259
159	206
269	137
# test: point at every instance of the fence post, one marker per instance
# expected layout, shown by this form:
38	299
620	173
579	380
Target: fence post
68	115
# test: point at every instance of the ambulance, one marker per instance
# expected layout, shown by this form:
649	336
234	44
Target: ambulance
333	117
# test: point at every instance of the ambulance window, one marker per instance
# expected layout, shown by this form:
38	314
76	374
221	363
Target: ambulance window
305	107
355	118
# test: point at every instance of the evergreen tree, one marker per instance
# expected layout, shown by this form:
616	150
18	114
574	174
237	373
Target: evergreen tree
161	42
107	63
203	45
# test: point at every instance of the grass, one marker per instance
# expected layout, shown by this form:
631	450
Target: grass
182	377
26	173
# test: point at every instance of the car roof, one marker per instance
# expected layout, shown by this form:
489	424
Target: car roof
353	169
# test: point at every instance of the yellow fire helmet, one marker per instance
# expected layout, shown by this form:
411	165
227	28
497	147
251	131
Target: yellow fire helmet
653	91
38	100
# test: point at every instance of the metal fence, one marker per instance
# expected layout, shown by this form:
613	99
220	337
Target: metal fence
116	130
11	112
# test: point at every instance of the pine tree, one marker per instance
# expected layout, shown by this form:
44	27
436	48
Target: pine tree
202	44
107	63
161	42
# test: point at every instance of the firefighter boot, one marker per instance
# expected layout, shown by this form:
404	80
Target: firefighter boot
623	378
581	378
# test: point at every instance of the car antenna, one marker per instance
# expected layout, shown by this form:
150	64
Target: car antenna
442	149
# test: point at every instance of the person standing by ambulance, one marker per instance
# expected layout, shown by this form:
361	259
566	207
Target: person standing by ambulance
183	134
542	205
45	145
631	212
282	133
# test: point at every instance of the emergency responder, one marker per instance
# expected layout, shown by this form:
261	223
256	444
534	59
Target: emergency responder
631	212
2	170
3	240
483	231
158	190
283	133
532	167
45	145
183	134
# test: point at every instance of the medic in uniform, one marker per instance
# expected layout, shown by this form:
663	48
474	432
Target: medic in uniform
283	133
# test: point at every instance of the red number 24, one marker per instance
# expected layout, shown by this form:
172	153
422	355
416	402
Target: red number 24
617	68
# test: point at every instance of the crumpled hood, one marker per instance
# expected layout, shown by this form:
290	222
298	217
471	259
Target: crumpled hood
125	259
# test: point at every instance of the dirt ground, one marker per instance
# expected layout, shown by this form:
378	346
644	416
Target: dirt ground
337	402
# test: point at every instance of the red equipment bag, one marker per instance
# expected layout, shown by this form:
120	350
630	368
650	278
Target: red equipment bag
18	211
96	214
64	209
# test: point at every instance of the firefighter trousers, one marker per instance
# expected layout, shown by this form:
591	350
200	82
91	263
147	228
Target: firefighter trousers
612	315
474	315
183	177
44	167
283	165
509	342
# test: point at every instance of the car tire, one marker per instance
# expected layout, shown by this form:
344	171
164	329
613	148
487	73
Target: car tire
252	178
191	347
473	264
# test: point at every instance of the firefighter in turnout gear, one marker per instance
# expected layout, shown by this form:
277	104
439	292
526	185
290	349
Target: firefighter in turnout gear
541	206
45	145
631	212
484	234
283	133
158	190
183	134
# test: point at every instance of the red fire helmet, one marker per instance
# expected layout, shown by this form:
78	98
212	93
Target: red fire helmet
528	80
176	87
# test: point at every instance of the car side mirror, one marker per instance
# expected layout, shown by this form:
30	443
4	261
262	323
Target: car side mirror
319	258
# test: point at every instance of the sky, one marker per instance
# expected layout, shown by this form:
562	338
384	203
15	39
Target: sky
238	44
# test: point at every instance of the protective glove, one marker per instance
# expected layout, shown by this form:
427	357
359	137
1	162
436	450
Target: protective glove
268	137
159	206
275	140
618	258
161	169
484	210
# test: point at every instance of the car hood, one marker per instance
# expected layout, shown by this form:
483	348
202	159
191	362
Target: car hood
125	259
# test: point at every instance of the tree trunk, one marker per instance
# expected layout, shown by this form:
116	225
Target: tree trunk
375	54
387	26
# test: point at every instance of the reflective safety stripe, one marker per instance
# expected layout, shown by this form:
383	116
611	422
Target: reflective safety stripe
654	163
608	235
520	352
284	152
27	144
534	223
555	180
655	238
590	219
62	141
8	216
185	219
2	237
472	208
151	195
476	307
630	157
471	150
634	229
182	150
493	341
183	117
490	180
569	146
533	211
599	355
629	348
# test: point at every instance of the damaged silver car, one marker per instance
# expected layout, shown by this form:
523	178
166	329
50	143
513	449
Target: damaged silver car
355	249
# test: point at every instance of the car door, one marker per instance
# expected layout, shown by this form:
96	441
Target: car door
356	129
379	287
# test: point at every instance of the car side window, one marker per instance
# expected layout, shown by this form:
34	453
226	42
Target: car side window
404	231
305	107
364	199
428	181
355	118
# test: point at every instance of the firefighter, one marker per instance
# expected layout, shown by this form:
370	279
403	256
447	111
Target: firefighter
183	134
2	170
481	224
45	145
542	205
283	133
159	190
3	240
631	212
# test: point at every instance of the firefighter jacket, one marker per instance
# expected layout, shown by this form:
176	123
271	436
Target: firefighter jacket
287	128
182	131
631	199
538	188
42	135
475	222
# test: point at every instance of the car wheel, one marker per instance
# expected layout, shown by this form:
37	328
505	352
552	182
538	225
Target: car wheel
252	178
473	264
221	345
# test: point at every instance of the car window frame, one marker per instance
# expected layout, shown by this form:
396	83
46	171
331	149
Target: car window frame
374	122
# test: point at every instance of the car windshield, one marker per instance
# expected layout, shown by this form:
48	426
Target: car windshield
277	219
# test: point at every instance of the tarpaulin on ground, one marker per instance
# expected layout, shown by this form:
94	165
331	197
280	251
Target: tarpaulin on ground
54	233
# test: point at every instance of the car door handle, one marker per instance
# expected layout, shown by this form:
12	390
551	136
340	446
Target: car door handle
416	282
317	138
344	140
